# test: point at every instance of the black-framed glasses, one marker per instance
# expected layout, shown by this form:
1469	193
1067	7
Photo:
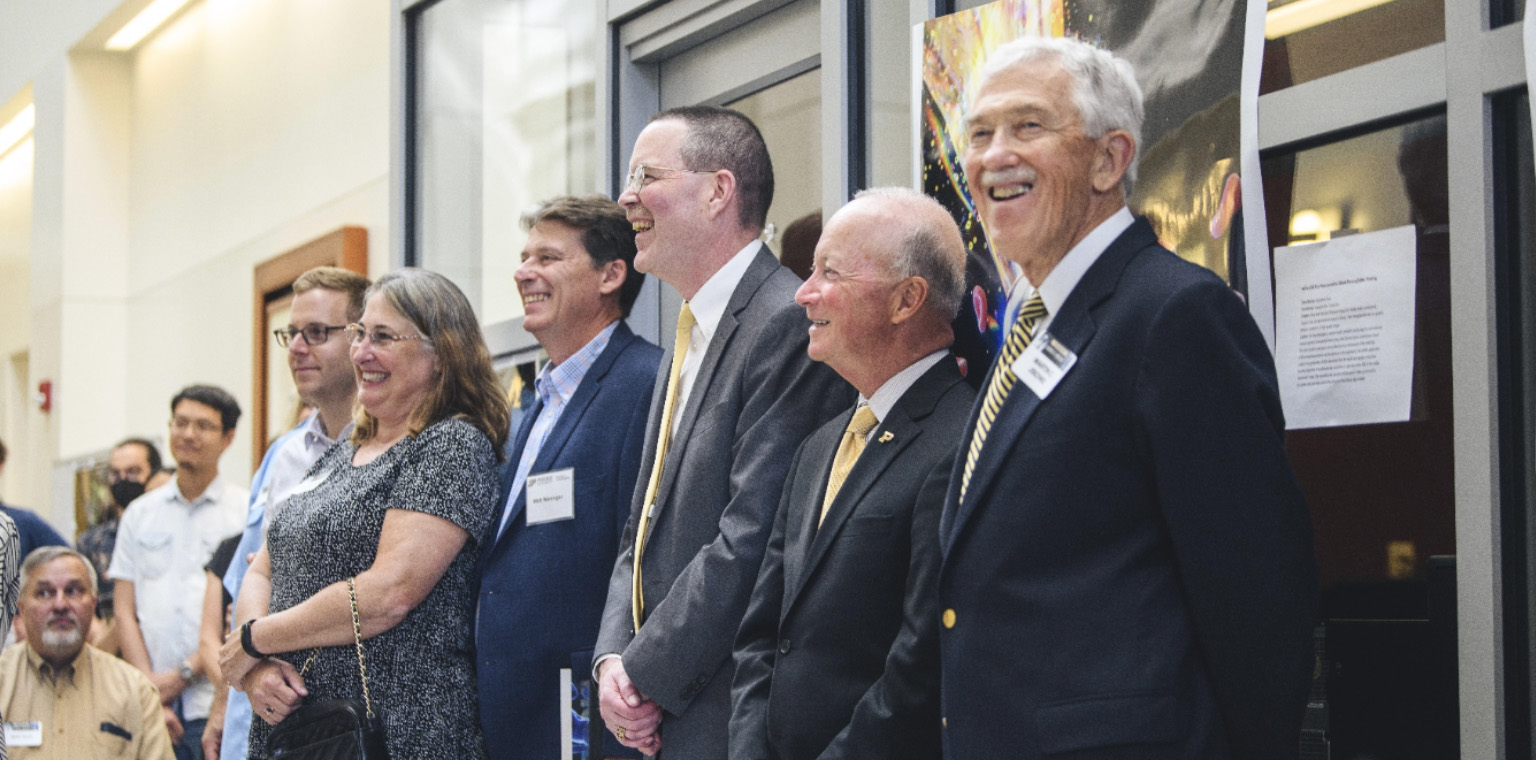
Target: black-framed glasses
641	173
314	335
380	339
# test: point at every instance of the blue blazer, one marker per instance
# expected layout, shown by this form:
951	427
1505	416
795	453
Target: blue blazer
542	587
1131	573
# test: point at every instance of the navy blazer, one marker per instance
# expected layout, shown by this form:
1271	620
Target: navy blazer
838	655
1131	572
542	587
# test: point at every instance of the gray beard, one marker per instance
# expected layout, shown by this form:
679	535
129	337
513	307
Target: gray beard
58	643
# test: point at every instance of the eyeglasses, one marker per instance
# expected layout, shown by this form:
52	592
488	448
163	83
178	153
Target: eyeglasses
356	333
641	173
314	335
202	426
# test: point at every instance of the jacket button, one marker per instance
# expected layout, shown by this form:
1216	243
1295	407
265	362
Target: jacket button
949	618
944	722
784	646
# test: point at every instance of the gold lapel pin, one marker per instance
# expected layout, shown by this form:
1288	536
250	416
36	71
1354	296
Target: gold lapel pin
887	437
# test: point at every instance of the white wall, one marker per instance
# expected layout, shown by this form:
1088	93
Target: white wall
159	180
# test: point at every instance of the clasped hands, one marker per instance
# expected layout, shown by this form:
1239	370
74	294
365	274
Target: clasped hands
632	717
274	686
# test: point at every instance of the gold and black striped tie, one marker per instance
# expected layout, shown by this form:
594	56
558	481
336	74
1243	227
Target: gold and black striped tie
1002	380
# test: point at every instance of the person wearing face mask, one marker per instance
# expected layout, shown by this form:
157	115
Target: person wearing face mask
129	467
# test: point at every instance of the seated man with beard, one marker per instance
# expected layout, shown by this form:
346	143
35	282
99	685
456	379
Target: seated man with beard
61	698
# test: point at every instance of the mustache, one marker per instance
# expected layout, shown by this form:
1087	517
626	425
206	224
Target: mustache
1011	176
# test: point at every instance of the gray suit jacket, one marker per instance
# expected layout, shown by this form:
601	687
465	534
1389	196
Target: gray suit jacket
756	397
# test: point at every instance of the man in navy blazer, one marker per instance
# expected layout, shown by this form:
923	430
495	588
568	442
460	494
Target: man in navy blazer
1128	566
838	655
568	479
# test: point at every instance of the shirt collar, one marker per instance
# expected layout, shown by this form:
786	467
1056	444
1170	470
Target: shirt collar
892	390
69	674
1067	272
708	305
563	378
314	432
210	494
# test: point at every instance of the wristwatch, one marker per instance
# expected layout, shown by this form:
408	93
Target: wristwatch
184	672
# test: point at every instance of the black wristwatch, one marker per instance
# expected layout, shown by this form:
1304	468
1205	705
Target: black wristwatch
245	641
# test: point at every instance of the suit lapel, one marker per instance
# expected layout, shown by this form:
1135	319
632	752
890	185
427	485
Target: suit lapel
570	418
800	535
763	264
1074	327
900	429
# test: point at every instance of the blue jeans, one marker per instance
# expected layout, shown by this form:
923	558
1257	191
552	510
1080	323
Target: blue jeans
191	745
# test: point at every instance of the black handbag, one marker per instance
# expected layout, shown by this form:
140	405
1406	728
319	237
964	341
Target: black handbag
335	729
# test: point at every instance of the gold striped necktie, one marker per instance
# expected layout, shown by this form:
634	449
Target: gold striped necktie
1019	338
685	324
854	438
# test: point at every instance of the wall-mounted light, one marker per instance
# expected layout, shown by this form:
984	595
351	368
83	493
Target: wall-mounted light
143	24
17	128
1306	224
1305	14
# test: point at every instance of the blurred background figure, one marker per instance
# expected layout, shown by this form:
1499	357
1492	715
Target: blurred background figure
797	252
163	542
130	466
85	702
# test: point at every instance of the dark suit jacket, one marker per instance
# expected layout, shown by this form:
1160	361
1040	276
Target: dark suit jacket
838	656
756	396
1131	572
542	586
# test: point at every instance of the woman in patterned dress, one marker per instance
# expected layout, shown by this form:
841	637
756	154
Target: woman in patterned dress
402	506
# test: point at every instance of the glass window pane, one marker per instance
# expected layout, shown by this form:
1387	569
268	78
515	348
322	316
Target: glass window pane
506	118
888	33
789	116
1514	201
1382	496
1321	38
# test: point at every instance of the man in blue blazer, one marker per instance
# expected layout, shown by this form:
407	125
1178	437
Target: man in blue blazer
568	479
1128	566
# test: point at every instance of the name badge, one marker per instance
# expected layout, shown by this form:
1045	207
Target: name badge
309	484
551	496
1043	364
24	734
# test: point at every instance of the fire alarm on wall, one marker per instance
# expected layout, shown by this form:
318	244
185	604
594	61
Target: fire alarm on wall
45	395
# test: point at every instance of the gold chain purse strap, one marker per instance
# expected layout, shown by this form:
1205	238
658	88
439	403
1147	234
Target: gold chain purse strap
357	635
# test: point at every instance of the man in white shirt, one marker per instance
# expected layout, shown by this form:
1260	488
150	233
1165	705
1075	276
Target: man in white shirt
325	300
734	397
165	539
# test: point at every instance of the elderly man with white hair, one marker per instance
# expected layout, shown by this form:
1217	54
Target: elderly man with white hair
1128	567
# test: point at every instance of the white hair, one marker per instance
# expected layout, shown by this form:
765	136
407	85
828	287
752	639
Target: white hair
1104	85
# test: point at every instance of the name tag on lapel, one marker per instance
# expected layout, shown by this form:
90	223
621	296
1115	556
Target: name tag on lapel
551	496
1043	364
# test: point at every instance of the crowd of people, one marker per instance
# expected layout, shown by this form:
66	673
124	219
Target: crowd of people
803	531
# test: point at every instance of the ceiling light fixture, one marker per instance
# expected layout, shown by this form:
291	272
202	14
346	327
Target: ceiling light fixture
144	24
1305	14
17	128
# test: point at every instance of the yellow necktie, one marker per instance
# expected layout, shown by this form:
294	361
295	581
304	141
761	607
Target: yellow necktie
1002	380
848	452
685	323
